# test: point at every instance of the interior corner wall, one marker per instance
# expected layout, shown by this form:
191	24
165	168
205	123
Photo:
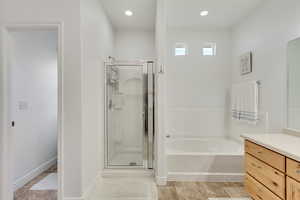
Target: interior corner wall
197	86
135	45
44	12
266	32
97	37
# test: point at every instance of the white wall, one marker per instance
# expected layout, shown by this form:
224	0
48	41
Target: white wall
97	44
33	70
160	52
293	63
266	33
134	45
3	174
67	12
197	86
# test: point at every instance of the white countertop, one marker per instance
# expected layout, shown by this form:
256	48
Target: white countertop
285	144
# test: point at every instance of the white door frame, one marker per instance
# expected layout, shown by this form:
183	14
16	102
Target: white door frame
6	182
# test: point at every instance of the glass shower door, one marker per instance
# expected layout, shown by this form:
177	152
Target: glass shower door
126	100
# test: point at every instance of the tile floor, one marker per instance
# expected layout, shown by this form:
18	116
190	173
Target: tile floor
126	188
25	193
142	189
200	191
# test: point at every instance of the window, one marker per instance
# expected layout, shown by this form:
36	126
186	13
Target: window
209	49
180	49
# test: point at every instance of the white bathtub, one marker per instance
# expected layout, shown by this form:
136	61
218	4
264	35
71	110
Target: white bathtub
207	159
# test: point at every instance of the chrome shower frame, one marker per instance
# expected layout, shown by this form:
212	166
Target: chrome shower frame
148	68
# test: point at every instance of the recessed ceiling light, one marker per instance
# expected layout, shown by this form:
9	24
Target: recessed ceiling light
204	13
128	13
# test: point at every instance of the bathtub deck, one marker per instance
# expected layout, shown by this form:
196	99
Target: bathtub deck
200	191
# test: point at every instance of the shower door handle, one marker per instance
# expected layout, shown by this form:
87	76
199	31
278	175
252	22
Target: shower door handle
150	114
145	122
110	105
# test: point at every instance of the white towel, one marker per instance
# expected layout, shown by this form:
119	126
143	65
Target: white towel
244	101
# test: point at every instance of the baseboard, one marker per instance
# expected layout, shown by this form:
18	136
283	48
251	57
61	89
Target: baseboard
161	180
206	177
291	132
91	187
20	182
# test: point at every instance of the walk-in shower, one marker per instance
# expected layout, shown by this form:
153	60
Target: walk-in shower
129	114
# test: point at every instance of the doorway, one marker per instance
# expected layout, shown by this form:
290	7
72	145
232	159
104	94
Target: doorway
32	63
129	114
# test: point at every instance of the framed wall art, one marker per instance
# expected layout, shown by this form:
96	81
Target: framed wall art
246	63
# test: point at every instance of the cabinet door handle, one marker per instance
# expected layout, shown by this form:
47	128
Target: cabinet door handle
275	184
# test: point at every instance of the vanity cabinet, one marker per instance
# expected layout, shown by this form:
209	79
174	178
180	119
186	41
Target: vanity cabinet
270	175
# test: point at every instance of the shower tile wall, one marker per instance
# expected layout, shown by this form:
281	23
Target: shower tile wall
126	123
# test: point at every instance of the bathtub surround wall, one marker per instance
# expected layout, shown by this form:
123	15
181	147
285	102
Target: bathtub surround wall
97	44
134	44
33	70
197	87
205	159
266	32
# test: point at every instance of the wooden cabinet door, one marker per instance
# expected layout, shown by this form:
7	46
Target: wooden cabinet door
257	190
293	189
293	169
268	176
270	157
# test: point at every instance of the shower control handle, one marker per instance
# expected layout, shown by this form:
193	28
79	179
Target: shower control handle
110	104
143	114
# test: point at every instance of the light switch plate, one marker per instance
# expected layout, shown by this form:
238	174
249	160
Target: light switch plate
23	105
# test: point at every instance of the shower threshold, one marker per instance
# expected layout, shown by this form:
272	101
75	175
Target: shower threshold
127	173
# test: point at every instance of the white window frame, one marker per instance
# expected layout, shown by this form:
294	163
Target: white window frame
210	45
181	45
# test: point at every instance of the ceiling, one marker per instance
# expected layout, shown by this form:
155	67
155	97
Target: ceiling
222	13
144	12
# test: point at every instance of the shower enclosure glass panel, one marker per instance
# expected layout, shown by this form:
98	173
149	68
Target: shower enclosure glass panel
127	115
